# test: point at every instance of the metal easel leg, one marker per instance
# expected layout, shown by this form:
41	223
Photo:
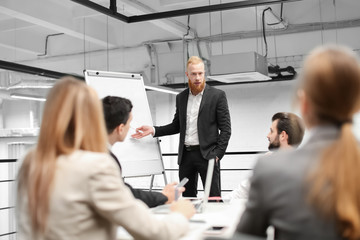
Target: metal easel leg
151	182
165	180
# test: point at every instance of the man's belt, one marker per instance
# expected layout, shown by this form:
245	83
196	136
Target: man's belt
192	147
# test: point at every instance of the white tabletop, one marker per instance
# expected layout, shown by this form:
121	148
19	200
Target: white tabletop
215	214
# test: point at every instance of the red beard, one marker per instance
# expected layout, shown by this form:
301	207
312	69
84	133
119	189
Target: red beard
196	89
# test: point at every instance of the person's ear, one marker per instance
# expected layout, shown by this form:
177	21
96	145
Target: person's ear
120	129
284	136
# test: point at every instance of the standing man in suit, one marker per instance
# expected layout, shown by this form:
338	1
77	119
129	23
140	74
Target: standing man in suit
118	115
202	118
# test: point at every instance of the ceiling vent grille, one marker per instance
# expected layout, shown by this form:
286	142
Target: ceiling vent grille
239	67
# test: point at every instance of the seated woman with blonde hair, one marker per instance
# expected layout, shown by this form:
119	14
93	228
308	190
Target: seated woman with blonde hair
70	188
314	192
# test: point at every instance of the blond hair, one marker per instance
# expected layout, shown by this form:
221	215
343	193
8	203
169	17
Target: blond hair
331	82
193	60
72	120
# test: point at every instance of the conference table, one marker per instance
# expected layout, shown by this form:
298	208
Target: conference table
225	215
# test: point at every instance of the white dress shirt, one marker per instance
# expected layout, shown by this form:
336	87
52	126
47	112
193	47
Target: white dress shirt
192	113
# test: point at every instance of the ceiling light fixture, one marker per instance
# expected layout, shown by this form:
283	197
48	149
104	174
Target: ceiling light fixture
27	97
162	89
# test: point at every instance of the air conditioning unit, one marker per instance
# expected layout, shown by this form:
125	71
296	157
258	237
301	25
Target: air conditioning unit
239	67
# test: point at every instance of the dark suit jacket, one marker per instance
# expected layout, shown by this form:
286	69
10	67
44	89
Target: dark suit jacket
151	199
213	117
278	193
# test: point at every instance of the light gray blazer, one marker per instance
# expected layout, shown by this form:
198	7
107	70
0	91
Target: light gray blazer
89	201
278	192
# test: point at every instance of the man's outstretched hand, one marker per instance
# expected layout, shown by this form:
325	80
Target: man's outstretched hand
143	131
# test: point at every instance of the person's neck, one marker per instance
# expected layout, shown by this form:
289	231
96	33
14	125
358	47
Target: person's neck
285	146
112	139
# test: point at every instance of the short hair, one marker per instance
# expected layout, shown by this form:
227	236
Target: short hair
194	60
116	111
292	125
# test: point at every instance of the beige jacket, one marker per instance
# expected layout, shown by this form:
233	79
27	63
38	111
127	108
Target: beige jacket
90	200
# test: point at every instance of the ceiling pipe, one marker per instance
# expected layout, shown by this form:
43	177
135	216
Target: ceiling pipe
291	29
46	43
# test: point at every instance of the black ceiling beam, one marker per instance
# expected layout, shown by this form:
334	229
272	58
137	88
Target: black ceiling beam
113	7
35	71
205	9
217	83
110	12
176	13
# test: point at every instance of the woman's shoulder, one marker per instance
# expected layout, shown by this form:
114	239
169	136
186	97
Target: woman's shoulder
88	158
88	163
86	155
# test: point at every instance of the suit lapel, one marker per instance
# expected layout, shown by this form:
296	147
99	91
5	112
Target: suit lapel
204	97
183	104
116	159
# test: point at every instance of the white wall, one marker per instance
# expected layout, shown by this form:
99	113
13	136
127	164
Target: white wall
19	118
251	105
17	114
251	108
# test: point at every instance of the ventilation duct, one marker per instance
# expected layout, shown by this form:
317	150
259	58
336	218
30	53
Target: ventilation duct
239	67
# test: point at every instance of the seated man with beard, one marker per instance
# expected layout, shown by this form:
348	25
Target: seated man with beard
286	132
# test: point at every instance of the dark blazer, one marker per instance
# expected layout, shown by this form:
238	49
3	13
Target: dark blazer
151	199
213	117
278	193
